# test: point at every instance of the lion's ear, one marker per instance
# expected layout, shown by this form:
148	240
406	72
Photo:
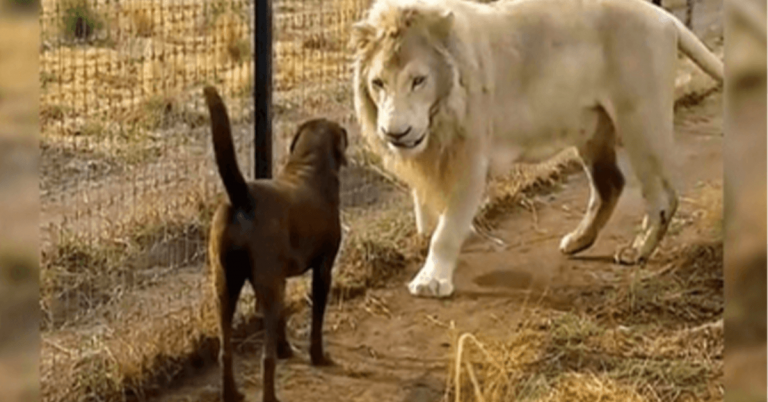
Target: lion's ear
441	25
362	34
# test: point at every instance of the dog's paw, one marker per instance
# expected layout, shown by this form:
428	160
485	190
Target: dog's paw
574	242
232	396
427	285
284	350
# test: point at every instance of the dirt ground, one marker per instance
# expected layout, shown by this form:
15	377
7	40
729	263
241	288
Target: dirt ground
390	346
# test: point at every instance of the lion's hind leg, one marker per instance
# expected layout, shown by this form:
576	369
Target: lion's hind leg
662	202
606	184
648	139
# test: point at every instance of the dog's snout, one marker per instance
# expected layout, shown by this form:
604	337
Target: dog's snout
395	135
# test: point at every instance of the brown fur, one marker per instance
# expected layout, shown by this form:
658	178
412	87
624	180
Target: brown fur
275	229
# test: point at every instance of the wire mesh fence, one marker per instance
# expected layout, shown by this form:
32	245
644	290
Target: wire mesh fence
127	173
128	182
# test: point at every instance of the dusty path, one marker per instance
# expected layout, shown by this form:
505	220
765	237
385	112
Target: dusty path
389	346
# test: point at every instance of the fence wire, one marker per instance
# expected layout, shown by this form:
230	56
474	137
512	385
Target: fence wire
128	169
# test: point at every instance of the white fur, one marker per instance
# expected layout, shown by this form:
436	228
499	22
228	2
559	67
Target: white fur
519	80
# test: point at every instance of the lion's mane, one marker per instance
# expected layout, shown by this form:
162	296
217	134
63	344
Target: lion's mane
432	173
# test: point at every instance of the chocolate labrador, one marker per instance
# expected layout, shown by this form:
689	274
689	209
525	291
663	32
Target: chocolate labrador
273	229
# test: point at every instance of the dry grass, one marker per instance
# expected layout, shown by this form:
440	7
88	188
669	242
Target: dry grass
79	20
149	49
508	192
689	289
81	273
141	351
572	358
658	338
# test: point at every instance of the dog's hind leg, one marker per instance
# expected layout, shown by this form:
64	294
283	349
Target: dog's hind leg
321	284
284	349
227	287
270	296
606	184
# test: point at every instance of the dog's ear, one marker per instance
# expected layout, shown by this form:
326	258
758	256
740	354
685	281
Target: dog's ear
295	140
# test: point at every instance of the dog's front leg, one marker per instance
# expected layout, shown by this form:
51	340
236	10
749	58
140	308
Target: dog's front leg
436	276
321	284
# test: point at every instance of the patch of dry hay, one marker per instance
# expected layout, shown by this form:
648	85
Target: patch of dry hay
231	29
506	193
79	273
688	289
658	350
133	353
146	49
577	387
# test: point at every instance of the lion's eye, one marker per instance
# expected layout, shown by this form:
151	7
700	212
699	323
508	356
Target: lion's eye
378	83
418	81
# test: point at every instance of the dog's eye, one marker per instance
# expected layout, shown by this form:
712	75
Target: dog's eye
418	81
378	83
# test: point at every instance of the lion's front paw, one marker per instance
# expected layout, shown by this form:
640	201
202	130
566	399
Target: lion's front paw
427	284
575	242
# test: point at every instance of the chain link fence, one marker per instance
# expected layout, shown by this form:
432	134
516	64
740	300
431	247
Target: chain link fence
128	177
128	181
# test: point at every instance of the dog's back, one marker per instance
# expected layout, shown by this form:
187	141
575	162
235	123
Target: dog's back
294	215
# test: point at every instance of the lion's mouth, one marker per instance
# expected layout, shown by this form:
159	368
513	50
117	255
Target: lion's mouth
409	145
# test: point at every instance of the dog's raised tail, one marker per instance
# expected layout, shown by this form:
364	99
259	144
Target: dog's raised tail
224	149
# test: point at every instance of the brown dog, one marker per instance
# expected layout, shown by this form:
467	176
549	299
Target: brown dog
274	229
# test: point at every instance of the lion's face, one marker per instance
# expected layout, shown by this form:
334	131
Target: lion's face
402	81
403	89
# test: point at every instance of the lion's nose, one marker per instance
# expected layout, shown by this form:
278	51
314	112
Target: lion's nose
396	136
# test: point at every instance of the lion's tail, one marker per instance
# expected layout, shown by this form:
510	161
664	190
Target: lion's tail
698	52
224	149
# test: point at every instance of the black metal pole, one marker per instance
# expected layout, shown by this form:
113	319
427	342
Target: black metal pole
262	89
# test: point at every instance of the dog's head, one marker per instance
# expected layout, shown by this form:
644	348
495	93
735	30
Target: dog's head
321	138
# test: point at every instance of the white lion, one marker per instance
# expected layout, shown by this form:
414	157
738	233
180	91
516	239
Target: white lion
447	91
